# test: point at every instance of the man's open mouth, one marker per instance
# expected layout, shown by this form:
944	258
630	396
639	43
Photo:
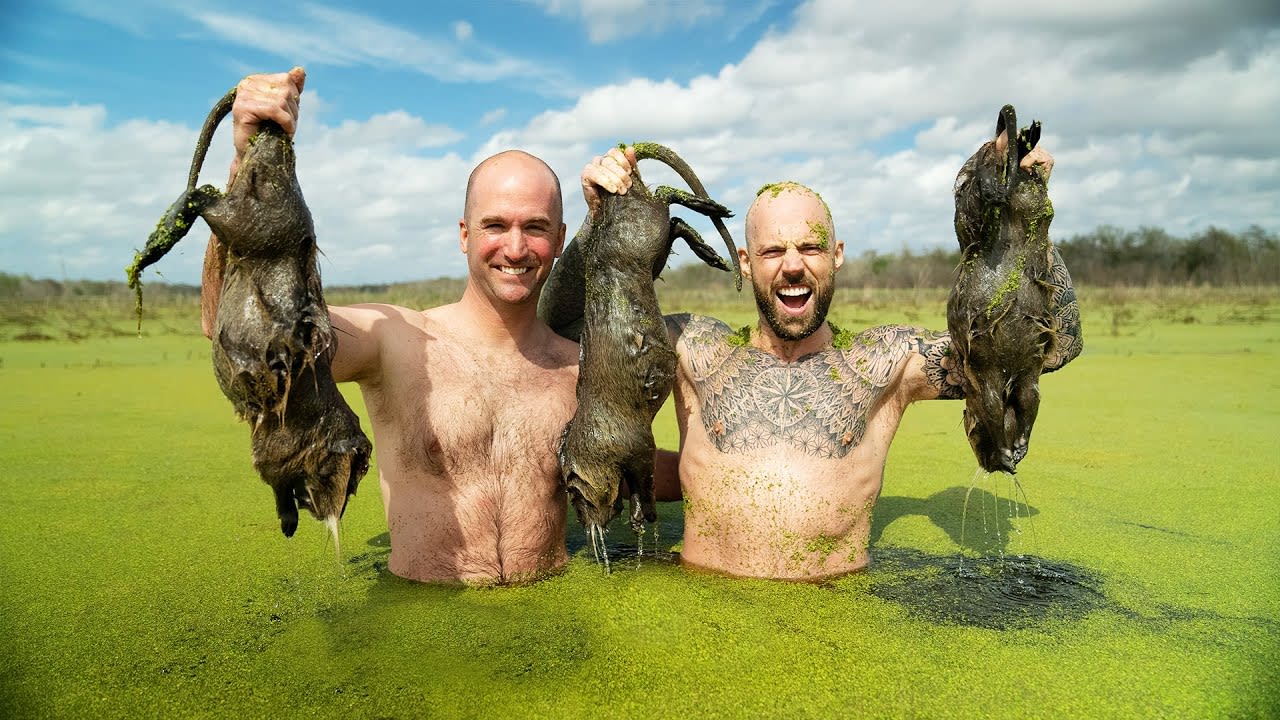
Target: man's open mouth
507	269
794	297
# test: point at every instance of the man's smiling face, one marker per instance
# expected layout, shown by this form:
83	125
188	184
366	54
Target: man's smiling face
512	230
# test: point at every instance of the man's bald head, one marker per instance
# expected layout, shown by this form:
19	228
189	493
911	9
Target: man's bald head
790	198
512	163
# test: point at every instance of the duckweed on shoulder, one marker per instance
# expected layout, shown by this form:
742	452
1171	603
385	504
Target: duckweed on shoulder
841	339
740	338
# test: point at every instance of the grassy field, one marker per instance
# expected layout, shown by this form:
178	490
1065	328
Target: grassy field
144	573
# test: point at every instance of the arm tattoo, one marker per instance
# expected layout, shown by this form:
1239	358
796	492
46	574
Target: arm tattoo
939	369
1068	342
818	404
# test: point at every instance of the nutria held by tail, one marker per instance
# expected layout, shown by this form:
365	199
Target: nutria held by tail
627	363
272	338
999	311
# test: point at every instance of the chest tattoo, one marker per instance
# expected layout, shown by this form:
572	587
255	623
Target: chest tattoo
818	404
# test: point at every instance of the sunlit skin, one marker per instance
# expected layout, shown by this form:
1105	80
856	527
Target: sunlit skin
790	259
466	401
782	483
511	230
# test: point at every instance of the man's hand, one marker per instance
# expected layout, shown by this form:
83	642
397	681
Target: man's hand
260	98
611	172
1037	157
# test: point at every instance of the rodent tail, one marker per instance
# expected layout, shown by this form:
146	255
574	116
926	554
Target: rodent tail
668	157
219	111
1007	123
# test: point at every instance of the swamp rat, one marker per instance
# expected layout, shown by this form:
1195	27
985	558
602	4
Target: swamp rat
602	294
272	338
999	314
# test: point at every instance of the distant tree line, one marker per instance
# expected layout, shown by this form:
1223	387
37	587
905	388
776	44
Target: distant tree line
1106	257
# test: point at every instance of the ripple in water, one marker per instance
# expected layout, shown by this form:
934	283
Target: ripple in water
998	593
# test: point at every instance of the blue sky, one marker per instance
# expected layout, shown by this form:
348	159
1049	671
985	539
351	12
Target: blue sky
1159	113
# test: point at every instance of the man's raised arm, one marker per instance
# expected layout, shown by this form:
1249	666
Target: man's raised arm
1067	340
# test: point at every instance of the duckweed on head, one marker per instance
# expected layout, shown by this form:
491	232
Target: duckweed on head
777	188
823	235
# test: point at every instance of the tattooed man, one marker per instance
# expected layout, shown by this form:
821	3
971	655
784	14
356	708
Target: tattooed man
785	425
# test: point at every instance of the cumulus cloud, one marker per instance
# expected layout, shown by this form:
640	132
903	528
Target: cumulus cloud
1155	118
82	195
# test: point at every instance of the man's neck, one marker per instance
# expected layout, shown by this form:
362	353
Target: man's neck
790	350
500	323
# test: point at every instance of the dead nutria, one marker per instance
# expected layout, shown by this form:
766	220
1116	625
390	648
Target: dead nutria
999	311
272	339
602	294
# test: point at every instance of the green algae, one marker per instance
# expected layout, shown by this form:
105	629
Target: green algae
740	337
841	339
99	633
1012	281
777	188
823	235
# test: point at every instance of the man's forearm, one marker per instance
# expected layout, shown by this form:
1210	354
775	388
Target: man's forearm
215	264
564	297
1068	341
666	476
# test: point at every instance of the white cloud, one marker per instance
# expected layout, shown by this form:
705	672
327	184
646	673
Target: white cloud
326	36
608	20
875	112
812	101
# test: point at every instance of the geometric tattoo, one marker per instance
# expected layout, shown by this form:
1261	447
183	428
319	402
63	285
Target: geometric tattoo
1066	315
818	404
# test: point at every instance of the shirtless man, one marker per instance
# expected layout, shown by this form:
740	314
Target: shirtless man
785	426
467	401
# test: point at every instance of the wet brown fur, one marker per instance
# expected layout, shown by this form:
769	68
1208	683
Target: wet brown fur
272	337
998	312
627	363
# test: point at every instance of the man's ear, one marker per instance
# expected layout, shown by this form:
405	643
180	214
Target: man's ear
560	243
743	262
462	235
839	253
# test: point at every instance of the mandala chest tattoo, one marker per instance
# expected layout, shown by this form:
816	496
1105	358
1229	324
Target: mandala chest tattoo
819	404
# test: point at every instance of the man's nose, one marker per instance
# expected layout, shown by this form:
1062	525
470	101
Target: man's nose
792	263
515	245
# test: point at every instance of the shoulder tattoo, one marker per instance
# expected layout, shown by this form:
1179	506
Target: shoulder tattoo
818	404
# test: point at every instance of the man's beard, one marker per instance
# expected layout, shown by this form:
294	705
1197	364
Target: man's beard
795	328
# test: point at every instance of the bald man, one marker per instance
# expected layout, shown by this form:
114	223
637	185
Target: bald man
785	425
466	401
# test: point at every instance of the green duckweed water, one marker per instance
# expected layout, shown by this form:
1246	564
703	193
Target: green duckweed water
144	573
